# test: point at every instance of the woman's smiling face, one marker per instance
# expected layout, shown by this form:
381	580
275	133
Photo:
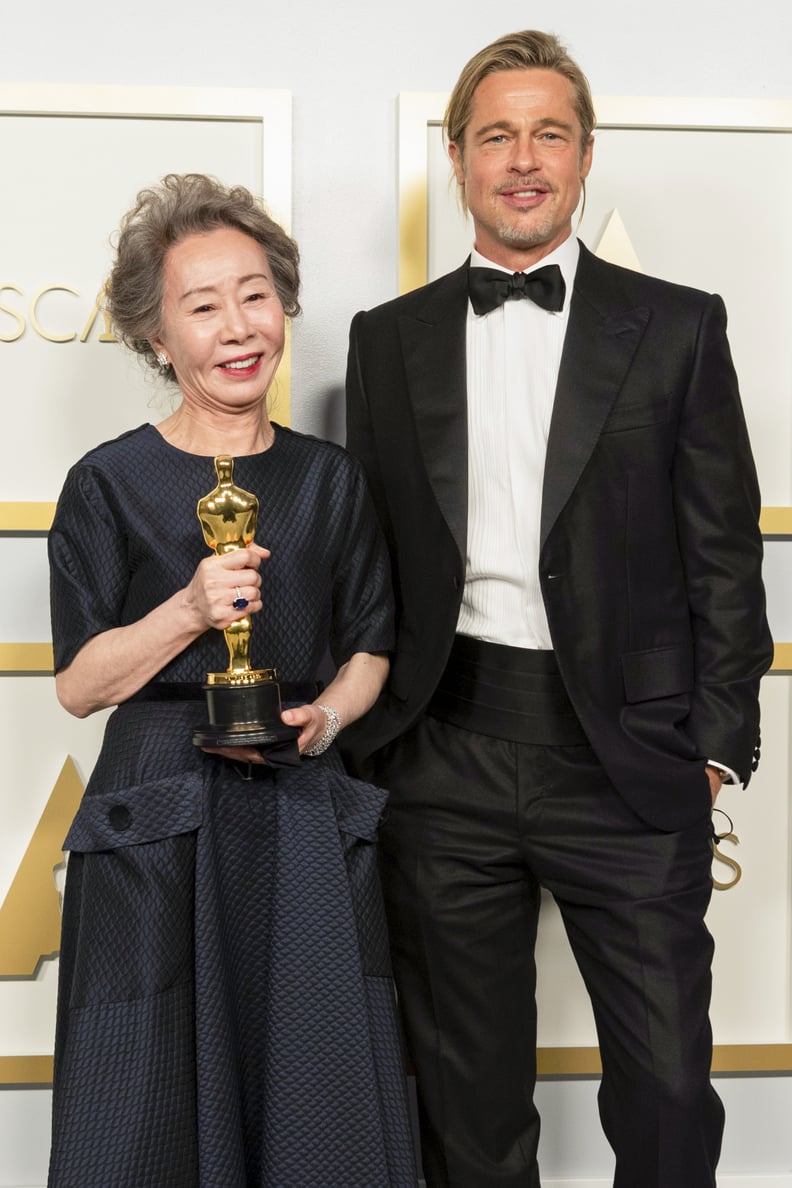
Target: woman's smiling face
222	320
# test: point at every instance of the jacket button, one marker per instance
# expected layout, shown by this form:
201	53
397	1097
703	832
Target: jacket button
120	817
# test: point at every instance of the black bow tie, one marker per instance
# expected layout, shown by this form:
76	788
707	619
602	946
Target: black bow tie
489	288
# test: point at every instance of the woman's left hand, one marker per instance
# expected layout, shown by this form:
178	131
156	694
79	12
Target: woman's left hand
352	691
312	723
311	720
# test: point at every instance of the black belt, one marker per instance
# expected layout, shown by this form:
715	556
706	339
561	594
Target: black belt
506	692
194	691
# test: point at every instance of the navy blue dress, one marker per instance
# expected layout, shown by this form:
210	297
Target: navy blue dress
225	1010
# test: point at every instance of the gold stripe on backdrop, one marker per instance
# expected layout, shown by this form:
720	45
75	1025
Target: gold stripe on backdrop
26	657
776	521
727	1058
782	658
25	1070
37	517
551	1062
26	517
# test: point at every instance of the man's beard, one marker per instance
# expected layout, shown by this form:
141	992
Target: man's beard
529	235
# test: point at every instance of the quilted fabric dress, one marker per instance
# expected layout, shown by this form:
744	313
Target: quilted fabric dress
225	1012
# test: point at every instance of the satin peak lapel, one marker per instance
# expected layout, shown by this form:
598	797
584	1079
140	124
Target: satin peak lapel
598	351
433	344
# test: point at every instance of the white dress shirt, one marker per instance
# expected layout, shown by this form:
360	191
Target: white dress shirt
513	357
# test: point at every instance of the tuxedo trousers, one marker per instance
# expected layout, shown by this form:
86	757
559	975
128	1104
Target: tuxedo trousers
475	827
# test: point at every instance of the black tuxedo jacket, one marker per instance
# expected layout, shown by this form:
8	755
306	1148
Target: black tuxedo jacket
650	550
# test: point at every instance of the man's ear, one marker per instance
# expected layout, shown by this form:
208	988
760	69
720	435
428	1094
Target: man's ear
457	160
585	158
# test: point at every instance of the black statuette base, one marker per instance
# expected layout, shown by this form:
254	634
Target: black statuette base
243	716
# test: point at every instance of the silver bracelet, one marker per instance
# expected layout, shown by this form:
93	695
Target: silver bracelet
331	730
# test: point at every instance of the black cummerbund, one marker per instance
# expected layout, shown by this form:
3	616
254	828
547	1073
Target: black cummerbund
193	691
506	692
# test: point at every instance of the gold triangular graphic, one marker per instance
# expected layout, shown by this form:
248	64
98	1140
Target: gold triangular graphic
30	915
615	246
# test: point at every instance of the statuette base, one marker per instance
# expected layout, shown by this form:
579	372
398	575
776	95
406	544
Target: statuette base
243	712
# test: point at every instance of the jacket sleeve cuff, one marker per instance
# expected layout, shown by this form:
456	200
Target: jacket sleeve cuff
730	775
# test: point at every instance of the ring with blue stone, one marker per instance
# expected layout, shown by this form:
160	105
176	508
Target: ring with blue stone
239	602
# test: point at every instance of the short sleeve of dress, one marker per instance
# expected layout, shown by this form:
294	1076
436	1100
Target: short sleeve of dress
363	608
88	564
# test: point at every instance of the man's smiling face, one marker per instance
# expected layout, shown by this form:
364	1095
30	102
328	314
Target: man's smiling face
522	163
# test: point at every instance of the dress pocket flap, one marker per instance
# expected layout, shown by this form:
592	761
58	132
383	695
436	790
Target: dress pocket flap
358	806
657	672
138	813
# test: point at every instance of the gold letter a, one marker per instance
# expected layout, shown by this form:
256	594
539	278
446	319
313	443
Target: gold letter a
30	915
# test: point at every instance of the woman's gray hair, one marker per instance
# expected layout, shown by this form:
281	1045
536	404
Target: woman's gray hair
182	205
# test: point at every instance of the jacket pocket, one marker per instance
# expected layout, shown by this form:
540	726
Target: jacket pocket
637	415
657	672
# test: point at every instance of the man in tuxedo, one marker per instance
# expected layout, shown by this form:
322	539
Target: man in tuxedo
558	456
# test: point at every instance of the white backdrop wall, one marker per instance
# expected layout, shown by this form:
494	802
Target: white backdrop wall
345	65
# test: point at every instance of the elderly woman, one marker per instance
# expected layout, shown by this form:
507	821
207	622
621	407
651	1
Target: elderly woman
225	1012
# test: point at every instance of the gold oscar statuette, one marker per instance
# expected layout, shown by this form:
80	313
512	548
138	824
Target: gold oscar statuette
244	703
